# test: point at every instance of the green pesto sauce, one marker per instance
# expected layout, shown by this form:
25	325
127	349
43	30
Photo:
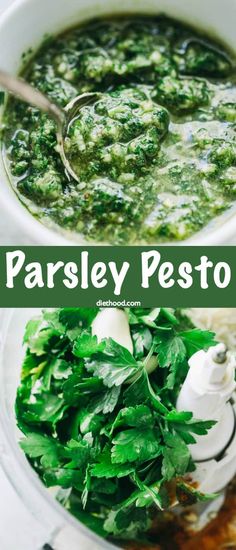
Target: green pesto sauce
155	155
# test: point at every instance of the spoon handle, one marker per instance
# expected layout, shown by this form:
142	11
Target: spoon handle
30	95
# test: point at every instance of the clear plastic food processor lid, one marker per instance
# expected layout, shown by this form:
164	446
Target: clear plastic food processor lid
45	524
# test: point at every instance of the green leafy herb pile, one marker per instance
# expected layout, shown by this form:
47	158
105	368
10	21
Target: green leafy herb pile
100	427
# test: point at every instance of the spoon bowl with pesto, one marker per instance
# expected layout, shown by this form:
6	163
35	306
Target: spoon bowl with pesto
63	118
154	154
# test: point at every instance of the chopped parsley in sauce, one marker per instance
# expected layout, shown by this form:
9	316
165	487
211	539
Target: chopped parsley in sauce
156	153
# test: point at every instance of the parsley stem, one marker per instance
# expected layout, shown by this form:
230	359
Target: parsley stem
148	357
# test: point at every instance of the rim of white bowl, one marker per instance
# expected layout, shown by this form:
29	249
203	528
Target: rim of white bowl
224	233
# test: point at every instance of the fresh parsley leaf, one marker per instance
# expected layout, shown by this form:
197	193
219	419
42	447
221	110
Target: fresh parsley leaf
196	339
29	365
64	477
131	520
141	391
142	339
40	343
90	422
77	387
138	416
136	444
176	456
171	351
200	427
78	316
45	408
179	416
78	452
61	369
105	468
106	401
114	365
183	423
172	355
86	345
40	446
31	329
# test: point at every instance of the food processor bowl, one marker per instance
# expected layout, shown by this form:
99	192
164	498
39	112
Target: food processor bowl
46	525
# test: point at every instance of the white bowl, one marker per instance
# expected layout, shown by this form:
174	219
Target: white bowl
24	25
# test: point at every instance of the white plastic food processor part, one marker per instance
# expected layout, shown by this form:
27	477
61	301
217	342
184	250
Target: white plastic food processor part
209	393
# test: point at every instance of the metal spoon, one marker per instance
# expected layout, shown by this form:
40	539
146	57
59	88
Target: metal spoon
62	117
